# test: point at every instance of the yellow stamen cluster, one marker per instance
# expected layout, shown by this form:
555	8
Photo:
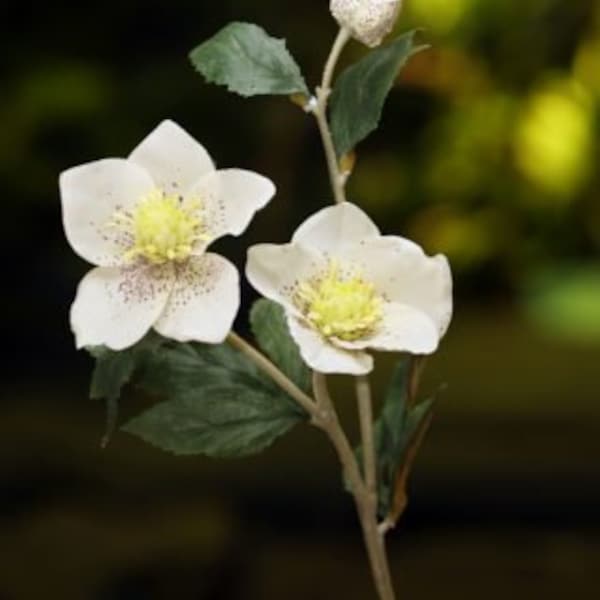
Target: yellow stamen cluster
343	306
163	228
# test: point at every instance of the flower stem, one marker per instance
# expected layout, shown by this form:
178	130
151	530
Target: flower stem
366	502
330	424
365	412
338	181
324	416
282	380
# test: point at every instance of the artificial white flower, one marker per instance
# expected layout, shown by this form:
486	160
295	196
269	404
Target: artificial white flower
346	288
146	222
369	21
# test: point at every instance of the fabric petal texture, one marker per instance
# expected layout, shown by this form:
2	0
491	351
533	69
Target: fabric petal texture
230	198
404	329
325	357
174	159
90	195
204	301
275	270
331	229
115	307
146	221
347	289
406	275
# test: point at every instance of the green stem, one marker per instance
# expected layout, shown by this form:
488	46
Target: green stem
366	502
284	382
365	412
320	111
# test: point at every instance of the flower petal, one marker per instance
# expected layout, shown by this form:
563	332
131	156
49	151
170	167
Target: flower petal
230	198
275	270
404	329
204	301
405	274
174	159
332	228
115	307
90	195
323	356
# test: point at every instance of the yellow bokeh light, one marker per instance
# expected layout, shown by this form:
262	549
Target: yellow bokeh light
442	16
554	138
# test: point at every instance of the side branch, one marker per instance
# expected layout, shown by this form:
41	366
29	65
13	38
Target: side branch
320	111
282	380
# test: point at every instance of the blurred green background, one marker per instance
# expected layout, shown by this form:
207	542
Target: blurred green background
489	152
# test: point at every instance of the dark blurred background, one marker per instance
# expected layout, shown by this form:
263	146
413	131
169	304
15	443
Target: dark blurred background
488	152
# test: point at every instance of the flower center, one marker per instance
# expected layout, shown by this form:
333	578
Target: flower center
340	305
161	228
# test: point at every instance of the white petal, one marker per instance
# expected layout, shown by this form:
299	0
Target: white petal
332	228
174	159
204	302
115	307
275	270
404	329
405	274
90	195
324	357
230	198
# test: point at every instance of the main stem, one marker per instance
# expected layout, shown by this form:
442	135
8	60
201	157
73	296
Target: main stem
321	409
365	413
324	416
338	180
363	491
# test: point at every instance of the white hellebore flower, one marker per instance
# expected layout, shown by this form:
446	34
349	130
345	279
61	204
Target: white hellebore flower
146	222
369	21
345	288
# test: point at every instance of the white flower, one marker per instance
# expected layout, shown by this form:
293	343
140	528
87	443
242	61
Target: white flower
369	21
146	222
345	288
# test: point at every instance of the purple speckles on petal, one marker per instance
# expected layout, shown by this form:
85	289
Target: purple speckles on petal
141	284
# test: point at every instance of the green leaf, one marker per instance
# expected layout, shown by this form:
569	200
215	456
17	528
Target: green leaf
398	433
271	331
112	371
178	368
361	90
218	402
248	61
227	420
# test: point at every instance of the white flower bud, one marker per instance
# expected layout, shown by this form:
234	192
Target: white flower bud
369	21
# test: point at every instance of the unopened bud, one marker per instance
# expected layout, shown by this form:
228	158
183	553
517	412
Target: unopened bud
369	21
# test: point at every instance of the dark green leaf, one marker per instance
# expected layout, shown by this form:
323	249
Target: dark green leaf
226	420
361	90
112	418
248	61
112	371
272	334
397	436
218	402
178	368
